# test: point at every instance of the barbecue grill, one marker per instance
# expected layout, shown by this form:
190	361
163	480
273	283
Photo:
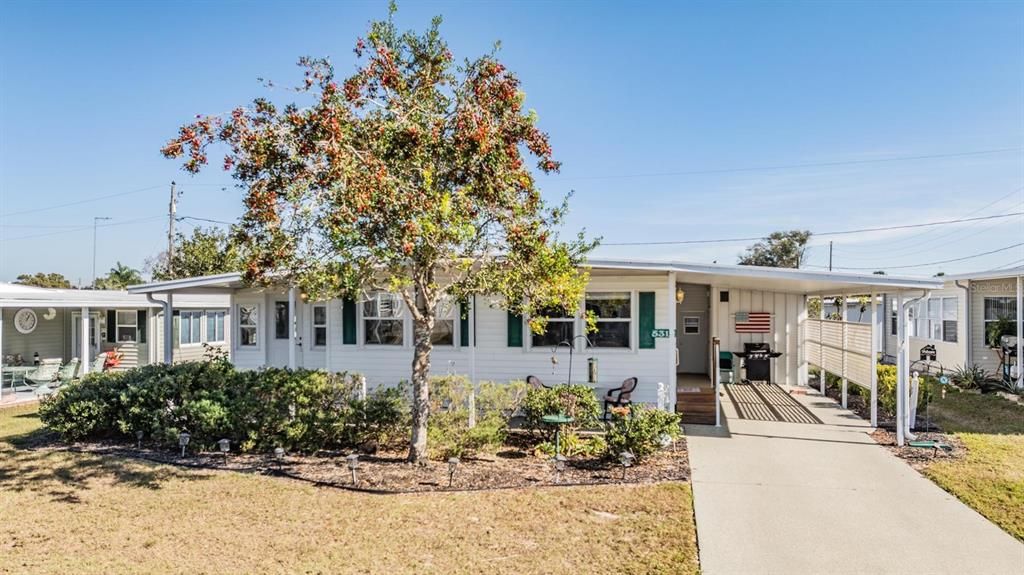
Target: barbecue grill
757	359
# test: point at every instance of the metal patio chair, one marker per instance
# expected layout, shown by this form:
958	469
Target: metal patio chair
620	396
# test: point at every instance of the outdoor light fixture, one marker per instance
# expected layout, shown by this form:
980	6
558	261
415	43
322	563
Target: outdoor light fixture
225	447
626	458
453	462
183	438
353	464
680	295
559	466
138	438
279	457
665	440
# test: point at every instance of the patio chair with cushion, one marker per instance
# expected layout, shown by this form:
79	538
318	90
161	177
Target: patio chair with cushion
99	364
44	374
68	372
620	396
535	382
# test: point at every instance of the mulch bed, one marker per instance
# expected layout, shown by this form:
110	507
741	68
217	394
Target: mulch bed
918	457
514	467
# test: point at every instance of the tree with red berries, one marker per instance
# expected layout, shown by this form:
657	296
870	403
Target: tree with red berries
409	176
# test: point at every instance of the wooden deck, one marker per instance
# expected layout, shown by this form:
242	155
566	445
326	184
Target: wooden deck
695	399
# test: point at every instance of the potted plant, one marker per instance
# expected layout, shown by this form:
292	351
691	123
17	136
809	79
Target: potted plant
997	329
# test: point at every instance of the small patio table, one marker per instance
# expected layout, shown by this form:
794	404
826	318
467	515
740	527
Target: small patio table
558	421
14	374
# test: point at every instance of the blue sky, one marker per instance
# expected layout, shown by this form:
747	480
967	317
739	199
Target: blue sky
636	97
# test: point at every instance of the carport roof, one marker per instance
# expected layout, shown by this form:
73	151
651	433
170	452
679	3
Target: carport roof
16	295
740	277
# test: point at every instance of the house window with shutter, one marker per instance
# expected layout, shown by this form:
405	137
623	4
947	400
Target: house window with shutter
614	313
127	329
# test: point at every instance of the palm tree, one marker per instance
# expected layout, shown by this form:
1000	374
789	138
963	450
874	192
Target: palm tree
120	277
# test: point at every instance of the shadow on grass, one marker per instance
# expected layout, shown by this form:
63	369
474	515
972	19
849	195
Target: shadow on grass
37	462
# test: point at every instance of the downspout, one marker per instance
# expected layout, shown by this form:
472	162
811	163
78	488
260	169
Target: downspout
969	322
911	407
168	326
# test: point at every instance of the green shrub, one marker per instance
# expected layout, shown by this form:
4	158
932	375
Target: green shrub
573	445
887	390
575	400
640	431
448	430
300	410
503	398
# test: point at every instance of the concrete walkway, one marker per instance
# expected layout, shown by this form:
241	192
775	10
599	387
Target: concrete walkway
794	498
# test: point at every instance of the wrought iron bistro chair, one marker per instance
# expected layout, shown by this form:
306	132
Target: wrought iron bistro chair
535	382
620	396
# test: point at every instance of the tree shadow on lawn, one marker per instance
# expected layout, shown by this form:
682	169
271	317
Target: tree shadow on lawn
36	462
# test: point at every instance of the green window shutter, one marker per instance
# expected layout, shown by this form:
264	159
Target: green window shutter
646	320
464	324
348	322
111	326
142	326
515	330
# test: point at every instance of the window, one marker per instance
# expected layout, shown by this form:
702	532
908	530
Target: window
444	323
614	312
248	325
997	311
127	329
933	318
189	323
691	325
280	320
319	325
214	326
560	328
382	319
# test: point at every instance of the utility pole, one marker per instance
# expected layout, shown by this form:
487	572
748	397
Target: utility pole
830	255
95	221
171	211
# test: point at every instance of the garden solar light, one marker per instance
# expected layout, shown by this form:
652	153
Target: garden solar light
183	438
138	437
225	447
453	462
353	464
665	440
626	458
559	466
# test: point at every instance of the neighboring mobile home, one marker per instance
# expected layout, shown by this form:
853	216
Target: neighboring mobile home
47	323
657	322
957	318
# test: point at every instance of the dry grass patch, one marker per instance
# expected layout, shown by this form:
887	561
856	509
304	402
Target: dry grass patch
84	513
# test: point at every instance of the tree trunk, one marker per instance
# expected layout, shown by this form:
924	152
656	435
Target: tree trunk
422	329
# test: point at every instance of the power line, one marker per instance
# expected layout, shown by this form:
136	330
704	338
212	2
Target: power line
792	166
78	203
205	220
83	228
813	234
995	251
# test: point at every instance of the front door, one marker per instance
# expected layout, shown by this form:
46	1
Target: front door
692	333
76	336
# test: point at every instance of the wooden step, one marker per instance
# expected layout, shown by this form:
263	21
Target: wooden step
697	407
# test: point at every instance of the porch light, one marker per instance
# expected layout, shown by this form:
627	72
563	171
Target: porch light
453	464
138	438
680	295
183	438
353	464
626	458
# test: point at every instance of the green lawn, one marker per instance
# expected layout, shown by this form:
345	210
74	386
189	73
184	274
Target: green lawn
78	513
991	478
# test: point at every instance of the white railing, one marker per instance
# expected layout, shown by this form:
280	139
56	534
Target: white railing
841	348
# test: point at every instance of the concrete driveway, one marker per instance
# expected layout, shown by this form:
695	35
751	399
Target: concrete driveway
794	498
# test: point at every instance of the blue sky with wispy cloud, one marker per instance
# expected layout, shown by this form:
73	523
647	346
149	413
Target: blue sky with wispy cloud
636	96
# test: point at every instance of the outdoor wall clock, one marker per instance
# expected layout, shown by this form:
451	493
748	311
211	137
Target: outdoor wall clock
25	321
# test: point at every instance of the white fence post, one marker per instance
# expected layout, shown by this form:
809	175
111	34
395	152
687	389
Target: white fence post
362	388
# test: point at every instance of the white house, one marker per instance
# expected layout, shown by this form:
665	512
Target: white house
658	322
48	323
956	318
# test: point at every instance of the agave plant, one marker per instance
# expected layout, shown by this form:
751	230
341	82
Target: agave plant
972	377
